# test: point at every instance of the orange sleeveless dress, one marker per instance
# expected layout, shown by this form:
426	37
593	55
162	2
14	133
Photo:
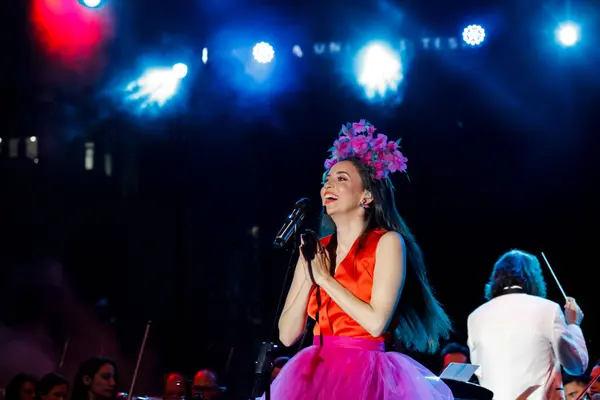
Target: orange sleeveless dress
355	273
351	364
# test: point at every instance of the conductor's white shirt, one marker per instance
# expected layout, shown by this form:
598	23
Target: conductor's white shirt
520	341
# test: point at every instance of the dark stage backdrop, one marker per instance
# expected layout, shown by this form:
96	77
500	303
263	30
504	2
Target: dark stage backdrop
501	146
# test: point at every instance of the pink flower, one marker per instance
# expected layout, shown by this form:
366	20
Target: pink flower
367	158
380	142
360	126
359	144
371	130
388	157
341	148
330	162
391	146
399	163
380	171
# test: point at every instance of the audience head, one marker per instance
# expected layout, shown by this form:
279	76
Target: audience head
596	369
175	387
53	387
206	385
574	385
96	380
516	268
21	387
454	353
277	365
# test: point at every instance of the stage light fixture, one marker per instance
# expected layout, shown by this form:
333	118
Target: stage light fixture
156	86
180	70
380	70
474	35
263	52
91	3
297	50
567	34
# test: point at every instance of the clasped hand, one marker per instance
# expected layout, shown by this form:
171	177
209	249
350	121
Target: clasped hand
319	270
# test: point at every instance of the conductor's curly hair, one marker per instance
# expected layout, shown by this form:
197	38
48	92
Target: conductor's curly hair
516	268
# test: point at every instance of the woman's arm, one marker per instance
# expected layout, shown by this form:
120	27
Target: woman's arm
388	280
293	317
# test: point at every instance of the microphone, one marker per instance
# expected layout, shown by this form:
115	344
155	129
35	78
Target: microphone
291	223
310	242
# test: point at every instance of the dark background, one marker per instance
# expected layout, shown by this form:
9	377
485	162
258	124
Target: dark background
501	142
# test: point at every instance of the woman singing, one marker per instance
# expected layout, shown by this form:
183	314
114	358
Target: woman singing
360	272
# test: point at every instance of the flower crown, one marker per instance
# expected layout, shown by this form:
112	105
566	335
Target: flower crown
357	140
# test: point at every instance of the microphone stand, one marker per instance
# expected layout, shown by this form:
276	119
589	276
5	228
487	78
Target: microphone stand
263	370
264	363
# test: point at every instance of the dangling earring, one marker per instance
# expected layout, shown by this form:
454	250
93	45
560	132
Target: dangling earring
363	202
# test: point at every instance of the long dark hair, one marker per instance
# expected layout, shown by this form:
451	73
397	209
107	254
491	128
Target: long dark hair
516	268
419	320
13	389
89	368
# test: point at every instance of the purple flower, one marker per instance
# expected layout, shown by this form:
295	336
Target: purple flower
360	127
329	163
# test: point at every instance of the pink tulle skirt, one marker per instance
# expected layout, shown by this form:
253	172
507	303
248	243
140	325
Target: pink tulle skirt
355	369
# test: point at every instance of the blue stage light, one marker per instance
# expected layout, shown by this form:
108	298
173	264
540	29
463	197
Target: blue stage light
156	86
474	35
263	52
567	34
379	70
180	70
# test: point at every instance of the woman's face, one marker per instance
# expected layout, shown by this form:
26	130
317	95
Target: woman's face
59	392
104	383
28	391
343	189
